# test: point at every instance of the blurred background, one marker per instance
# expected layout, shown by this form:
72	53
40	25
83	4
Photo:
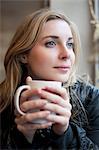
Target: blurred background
85	13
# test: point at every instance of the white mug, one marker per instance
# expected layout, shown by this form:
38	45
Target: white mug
32	84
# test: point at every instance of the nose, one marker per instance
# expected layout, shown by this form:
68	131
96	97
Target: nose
64	52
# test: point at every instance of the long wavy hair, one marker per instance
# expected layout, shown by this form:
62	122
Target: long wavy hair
23	41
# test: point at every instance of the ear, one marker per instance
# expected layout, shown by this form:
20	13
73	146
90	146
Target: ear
23	59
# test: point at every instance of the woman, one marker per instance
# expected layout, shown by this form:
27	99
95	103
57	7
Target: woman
46	47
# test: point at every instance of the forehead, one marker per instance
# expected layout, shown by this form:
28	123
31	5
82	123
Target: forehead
56	27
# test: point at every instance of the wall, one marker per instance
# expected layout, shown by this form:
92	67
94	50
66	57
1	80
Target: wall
78	11
11	14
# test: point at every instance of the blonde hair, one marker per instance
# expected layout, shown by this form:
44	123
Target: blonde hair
23	41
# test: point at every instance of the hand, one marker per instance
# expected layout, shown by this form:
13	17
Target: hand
60	106
25	122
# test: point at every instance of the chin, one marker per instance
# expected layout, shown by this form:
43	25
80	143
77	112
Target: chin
59	78
63	80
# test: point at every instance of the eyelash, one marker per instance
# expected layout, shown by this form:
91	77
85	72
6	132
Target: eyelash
70	45
50	44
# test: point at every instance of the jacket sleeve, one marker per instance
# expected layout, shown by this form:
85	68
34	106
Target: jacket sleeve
87	136
73	139
82	137
92	108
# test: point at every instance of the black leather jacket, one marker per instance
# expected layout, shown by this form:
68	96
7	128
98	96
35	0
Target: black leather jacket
79	136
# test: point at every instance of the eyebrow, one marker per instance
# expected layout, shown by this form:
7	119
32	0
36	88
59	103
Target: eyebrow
56	37
51	36
70	38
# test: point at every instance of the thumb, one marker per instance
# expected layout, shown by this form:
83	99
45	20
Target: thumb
28	79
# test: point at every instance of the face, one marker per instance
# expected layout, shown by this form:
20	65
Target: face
53	57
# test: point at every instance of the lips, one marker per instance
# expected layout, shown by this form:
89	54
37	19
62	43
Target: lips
63	68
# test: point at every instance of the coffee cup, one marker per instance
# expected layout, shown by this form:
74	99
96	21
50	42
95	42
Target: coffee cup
33	84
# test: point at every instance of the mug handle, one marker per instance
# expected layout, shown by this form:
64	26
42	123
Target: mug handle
17	95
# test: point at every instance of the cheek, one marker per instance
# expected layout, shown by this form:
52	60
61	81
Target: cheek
38	61
44	58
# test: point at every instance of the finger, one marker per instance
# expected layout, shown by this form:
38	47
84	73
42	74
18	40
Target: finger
54	98
16	113
31	127
30	117
59	91
28	79
58	109
27	94
32	104
58	119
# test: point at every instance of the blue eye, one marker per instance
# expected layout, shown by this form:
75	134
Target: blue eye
50	44
70	45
